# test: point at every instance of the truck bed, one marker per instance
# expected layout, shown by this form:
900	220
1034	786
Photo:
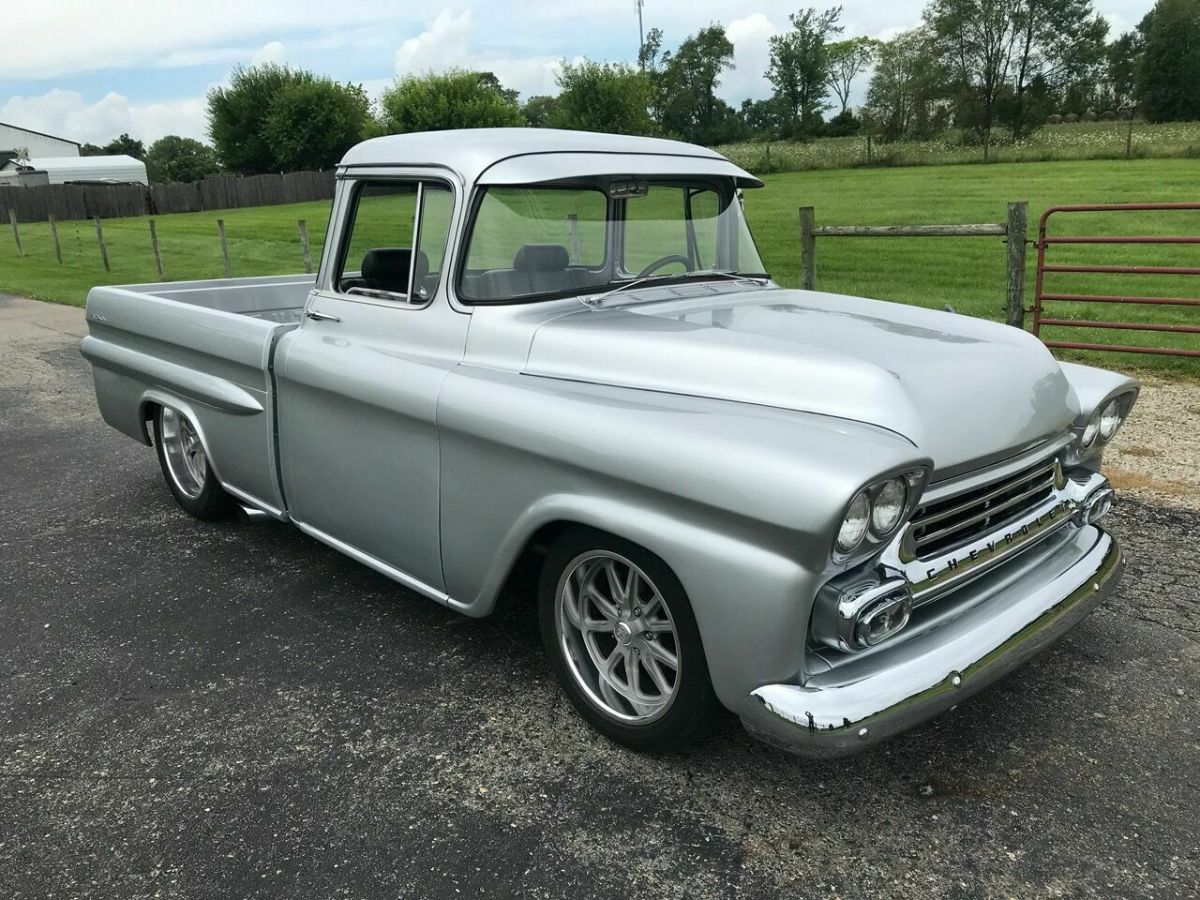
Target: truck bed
204	347
272	297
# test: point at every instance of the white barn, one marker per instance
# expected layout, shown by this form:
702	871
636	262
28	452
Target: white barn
92	169
17	141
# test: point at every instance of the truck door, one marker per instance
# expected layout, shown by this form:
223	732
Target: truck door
358	381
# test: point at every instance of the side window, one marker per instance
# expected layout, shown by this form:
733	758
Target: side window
437	205
395	238
705	210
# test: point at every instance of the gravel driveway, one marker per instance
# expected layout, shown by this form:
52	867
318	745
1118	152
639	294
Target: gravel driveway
232	709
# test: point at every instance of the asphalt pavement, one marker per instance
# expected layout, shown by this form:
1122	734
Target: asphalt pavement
235	710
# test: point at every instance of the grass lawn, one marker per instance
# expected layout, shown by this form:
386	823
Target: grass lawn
967	274
1077	141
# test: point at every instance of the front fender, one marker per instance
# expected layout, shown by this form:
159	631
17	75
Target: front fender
741	502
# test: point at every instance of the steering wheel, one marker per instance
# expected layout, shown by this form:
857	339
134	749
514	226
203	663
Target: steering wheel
665	261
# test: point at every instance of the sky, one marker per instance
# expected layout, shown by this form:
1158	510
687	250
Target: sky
89	71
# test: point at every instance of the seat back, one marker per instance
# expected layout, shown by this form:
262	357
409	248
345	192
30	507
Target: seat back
387	269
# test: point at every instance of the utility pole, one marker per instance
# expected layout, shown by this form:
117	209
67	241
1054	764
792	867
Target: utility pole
641	34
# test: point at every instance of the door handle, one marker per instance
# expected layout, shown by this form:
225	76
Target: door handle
321	317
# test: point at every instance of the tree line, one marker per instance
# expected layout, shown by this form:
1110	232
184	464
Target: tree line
978	66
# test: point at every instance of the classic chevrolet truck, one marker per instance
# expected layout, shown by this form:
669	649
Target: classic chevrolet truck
835	517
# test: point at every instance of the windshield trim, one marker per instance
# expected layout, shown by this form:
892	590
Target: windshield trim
479	191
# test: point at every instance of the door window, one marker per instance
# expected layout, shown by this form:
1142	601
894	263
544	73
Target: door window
395	245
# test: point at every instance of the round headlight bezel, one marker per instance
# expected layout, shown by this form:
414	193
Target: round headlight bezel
882	530
859	510
857	543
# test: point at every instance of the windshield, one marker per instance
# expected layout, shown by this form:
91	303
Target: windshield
541	241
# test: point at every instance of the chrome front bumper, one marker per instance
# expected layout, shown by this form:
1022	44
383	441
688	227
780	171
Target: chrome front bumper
844	711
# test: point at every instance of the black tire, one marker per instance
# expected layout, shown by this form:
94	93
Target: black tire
693	711
210	500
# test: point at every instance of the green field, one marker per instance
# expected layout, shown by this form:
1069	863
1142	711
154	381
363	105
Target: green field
1076	141
967	274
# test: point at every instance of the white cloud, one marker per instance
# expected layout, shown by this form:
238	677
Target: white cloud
447	43
272	52
66	114
69	36
750	37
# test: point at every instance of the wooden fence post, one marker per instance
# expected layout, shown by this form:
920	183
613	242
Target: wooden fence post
157	255
576	244
808	249
1018	216
304	246
12	217
100	241
54	237
224	247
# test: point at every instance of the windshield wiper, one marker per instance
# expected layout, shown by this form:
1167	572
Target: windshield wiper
594	301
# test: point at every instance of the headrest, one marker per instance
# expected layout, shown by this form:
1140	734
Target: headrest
386	264
542	258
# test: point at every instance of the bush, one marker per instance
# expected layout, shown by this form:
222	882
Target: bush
179	159
311	124
453	99
608	97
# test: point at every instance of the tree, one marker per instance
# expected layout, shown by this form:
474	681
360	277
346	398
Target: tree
1169	74
120	146
847	60
609	97
799	67
174	159
539	111
1121	61
905	87
311	124
648	53
998	49
763	118
237	116
452	99
688	104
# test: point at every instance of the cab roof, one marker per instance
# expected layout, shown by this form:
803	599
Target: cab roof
541	154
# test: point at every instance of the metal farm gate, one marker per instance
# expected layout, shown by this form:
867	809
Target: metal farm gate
1041	295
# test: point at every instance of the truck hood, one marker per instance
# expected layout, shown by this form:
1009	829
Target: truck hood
964	391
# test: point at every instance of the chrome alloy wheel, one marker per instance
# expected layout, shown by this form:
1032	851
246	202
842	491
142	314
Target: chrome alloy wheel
617	637
184	453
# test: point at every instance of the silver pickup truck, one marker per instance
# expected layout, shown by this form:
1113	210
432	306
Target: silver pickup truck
834	517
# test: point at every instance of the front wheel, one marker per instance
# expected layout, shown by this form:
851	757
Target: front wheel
624	643
186	468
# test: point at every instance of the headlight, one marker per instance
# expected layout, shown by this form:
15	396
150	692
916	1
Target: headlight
854	525
888	508
1110	419
1090	431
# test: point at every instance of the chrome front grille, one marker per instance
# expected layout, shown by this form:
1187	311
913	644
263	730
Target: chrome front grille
943	525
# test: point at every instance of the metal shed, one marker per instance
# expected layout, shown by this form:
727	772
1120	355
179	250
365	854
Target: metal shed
88	169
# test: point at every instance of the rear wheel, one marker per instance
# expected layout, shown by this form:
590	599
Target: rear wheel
624	643
185	466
